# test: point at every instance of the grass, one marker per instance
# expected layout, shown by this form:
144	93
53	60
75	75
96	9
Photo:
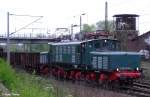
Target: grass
24	84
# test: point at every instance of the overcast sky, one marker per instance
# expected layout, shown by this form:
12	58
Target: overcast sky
62	13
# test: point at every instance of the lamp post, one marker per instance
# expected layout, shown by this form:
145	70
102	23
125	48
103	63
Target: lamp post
72	30
81	26
8	40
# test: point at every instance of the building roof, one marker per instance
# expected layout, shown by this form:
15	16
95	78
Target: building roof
126	15
143	35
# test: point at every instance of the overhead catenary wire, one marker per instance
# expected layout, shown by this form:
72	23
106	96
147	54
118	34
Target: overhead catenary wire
40	17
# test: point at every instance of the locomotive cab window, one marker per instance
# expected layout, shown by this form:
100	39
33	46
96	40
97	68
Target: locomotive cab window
105	45
83	46
78	49
97	45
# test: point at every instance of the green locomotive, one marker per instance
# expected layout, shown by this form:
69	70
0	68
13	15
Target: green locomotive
94	60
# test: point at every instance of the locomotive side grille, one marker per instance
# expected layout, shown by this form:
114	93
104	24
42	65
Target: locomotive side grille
64	49
94	62
78	57
57	50
73	58
105	62
100	62
69	50
56	58
60	57
73	49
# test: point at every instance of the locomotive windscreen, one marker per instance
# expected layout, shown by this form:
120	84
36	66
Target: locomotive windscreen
107	45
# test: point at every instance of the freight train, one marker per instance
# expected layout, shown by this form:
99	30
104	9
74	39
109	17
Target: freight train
95	60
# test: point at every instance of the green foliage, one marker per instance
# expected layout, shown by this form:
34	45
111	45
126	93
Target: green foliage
7	74
101	25
88	28
24	84
39	47
29	48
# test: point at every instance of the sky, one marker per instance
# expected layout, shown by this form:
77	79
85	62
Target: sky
63	13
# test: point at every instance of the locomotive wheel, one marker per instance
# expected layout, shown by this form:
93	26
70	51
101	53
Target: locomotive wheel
87	78
78	76
61	74
72	76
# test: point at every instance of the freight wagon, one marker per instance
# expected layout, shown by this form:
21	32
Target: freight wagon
28	61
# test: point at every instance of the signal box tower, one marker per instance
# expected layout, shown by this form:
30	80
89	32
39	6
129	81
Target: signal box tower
126	29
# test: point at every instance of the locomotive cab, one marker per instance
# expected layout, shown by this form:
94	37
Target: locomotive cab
99	45
107	58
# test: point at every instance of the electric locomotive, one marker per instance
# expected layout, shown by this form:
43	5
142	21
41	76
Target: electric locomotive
97	60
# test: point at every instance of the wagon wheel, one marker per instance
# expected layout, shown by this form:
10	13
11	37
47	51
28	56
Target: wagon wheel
45	70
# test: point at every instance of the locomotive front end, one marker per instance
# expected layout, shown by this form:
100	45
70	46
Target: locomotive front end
125	66
117	66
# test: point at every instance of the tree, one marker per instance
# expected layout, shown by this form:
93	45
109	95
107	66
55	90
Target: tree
101	26
88	28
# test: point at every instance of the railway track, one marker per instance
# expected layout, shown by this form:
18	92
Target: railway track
139	89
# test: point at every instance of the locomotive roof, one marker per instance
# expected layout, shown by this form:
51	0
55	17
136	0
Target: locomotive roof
116	53
67	43
77	42
44	52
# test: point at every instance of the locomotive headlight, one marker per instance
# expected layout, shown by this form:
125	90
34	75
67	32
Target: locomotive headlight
137	68
117	69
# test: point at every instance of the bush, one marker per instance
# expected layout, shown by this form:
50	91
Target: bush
24	84
7	74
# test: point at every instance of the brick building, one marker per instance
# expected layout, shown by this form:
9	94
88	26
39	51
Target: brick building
140	42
